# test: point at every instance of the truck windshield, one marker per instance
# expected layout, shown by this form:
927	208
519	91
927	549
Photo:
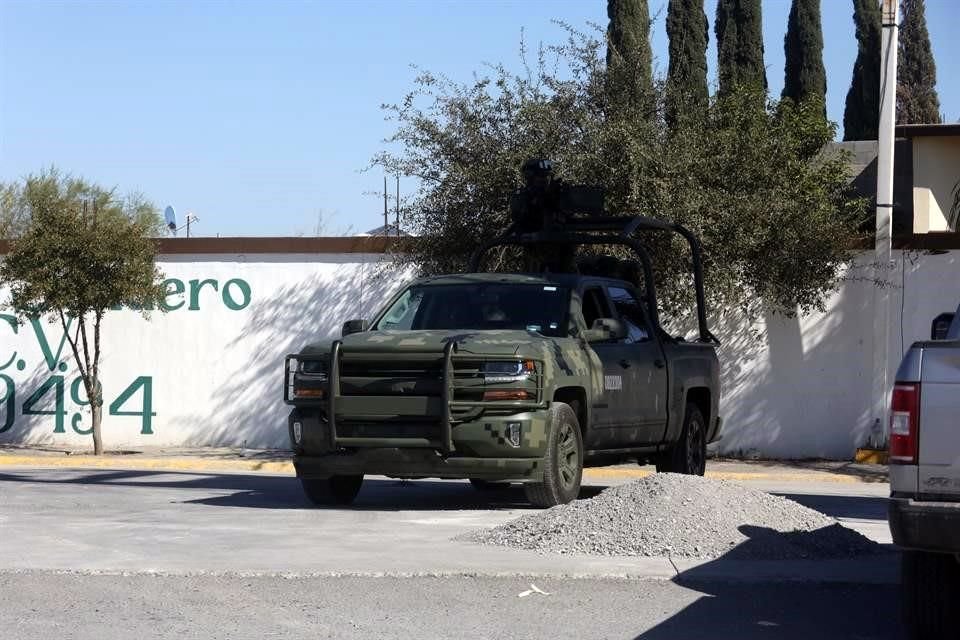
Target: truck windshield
540	308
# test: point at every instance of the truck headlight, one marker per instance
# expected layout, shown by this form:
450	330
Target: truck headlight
317	368
310	379
507	371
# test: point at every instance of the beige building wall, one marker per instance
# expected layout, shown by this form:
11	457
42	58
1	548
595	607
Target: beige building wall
936	170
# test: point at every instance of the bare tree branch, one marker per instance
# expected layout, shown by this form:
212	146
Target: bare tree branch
73	342
86	347
98	317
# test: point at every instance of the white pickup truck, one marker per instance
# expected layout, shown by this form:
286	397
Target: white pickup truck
925	480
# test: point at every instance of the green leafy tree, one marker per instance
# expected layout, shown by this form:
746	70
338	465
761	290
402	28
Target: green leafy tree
629	56
82	251
753	180
12	216
804	75
739	34
917	100
861	116
687	71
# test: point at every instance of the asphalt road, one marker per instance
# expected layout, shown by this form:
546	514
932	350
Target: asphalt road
44	606
98	520
120	554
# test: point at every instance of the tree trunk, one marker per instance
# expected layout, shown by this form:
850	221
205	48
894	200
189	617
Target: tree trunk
96	411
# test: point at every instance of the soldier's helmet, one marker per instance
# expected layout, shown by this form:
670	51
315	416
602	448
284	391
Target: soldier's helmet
537	172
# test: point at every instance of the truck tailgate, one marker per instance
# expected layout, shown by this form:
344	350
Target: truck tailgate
939	434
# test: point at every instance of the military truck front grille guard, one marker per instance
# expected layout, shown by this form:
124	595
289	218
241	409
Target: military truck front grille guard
582	230
442	409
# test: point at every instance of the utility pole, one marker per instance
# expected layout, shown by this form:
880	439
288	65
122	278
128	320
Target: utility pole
883	248
398	205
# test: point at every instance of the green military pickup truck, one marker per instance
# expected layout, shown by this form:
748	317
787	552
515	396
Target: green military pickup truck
523	377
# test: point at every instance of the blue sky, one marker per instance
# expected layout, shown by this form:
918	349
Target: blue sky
258	115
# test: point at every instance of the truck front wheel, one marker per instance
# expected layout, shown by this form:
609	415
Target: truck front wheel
689	454
332	490
562	463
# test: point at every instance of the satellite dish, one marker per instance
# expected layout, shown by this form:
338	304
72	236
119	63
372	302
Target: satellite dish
171	219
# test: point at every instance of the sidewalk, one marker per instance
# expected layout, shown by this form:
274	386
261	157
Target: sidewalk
277	461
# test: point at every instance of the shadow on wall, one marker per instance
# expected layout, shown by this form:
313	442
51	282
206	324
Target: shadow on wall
931	287
50	410
41	424
247	409
799	387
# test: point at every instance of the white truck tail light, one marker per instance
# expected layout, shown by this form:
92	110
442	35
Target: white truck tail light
904	422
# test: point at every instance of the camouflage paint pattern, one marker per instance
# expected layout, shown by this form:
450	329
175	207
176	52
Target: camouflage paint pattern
481	446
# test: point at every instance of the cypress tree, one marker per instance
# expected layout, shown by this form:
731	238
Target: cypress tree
739	44
917	101
687	72
861	116
629	56
804	75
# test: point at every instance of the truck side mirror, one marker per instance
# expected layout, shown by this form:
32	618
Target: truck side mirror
604	330
941	326
354	326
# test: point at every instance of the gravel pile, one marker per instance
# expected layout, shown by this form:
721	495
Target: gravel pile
667	514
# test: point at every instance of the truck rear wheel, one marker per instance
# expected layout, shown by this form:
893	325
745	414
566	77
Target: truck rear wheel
562	463
930	584
689	454
332	490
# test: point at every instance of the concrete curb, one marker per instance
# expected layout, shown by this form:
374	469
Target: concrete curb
813	572
137	463
805	476
202	464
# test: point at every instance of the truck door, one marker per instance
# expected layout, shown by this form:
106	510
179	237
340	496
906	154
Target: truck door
609	408
645	373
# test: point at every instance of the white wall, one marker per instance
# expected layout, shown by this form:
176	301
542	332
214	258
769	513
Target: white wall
215	372
801	389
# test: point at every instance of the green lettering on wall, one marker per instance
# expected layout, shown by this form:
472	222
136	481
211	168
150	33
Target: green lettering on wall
8	398
146	412
195	287
77	418
12	321
57	383
51	358
229	301
235	294
173	287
